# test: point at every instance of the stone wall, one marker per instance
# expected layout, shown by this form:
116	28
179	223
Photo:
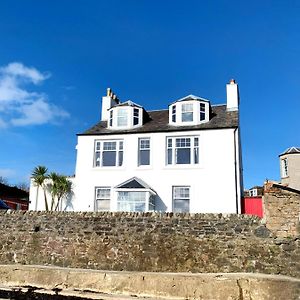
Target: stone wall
146	242
281	207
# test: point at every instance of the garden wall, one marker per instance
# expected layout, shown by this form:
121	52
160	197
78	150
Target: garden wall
147	242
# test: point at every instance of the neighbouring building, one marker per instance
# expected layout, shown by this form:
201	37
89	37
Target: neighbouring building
14	197
290	167
252	201
185	158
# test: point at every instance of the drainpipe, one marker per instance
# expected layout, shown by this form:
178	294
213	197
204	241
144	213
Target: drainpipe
235	171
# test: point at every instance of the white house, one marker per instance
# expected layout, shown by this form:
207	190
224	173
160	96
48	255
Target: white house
185	158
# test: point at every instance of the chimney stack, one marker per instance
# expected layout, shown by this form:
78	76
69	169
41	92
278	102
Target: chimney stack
233	98
108	101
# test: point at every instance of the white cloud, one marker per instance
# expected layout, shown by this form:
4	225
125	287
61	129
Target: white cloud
18	105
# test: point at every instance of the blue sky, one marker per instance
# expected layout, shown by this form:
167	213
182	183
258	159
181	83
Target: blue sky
58	57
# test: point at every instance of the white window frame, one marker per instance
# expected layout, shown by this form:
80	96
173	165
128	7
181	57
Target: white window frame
175	197
142	148
202	109
99	199
187	109
149	200
122	117
136	116
99	150
173	112
172	146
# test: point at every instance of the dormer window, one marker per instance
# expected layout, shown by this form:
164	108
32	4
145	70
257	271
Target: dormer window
202	111
190	110
125	116
174	113
136	114
122	117
187	112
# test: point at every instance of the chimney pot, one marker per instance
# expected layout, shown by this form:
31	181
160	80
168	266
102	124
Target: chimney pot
108	92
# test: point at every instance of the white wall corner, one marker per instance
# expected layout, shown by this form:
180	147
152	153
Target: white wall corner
233	98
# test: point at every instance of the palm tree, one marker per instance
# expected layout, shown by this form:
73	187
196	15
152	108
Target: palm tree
53	187
64	188
59	188
39	175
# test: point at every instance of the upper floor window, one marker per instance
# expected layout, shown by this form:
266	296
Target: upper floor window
125	116
122	117
190	110
182	150
144	152
202	111
111	118
174	113
102	201
284	167
108	153
136	113
187	112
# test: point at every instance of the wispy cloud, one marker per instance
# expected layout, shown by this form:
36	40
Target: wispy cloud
18	105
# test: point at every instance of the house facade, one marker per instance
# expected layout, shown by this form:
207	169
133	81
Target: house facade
185	158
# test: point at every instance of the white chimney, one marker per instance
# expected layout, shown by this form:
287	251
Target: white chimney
233	98
107	102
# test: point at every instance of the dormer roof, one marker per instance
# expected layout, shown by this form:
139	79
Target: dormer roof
190	98
127	103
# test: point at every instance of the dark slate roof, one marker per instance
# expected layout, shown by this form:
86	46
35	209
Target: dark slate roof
291	150
158	121
12	192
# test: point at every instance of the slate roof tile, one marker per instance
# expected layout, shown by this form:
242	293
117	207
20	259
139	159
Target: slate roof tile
159	122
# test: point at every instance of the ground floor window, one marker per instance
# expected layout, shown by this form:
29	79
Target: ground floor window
181	199
102	202
131	201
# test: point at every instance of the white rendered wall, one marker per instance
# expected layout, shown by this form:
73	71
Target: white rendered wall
212	182
39	203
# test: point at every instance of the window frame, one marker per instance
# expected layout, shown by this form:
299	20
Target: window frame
102	198
202	109
182	198
172	150
99	150
140	150
188	112
122	114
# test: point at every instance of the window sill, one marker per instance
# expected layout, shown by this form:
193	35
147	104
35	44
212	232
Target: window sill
113	168
182	167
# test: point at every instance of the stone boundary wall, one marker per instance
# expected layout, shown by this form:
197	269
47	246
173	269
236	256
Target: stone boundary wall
281	206
152	242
